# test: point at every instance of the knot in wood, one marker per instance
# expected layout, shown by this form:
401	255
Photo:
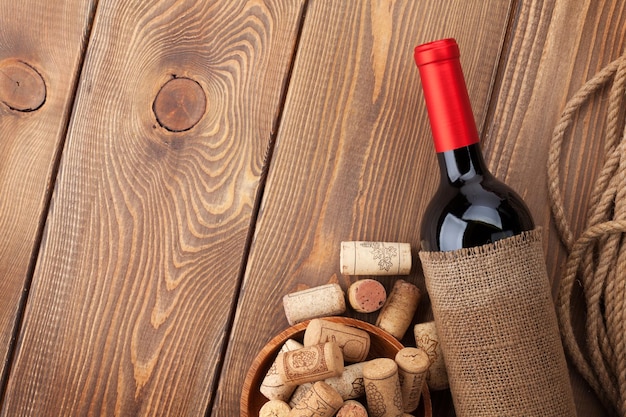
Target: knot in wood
180	104
22	88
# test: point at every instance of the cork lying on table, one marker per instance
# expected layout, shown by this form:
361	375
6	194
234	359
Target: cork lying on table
322	301
397	313
375	258
367	295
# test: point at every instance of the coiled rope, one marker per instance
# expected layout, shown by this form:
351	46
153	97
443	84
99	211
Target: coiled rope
597	258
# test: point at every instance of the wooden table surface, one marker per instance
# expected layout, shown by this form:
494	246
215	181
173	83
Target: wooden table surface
170	169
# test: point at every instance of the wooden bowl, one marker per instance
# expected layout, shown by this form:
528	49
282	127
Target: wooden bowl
382	344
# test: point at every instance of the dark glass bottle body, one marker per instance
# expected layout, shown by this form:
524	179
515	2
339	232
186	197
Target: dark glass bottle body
471	207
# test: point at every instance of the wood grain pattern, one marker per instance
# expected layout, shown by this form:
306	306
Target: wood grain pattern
39	64
353	158
140	262
554	48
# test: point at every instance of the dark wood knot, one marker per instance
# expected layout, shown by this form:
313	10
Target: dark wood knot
180	104
22	88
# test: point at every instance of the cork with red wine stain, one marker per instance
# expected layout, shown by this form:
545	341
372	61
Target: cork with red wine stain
367	295
352	408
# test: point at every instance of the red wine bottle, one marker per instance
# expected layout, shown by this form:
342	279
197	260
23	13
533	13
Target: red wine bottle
471	207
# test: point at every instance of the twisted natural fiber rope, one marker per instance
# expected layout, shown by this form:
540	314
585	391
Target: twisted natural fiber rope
597	259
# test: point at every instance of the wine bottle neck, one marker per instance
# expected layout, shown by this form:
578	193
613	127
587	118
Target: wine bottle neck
462	165
447	100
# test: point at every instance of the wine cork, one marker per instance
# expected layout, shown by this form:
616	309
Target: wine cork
352	408
310	364
320	401
349	384
300	392
413	365
397	313
274	408
321	301
375	258
426	338
382	388
272	386
354	343
366	295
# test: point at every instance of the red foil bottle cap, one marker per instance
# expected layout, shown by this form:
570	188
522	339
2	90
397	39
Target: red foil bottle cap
449	109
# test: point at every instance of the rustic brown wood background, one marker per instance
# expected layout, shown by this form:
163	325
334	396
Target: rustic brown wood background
147	243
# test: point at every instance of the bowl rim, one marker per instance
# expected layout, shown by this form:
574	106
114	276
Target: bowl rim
253	376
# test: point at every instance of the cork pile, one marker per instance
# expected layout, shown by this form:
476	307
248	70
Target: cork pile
331	371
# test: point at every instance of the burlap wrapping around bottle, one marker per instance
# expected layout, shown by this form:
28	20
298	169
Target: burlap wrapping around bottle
498	329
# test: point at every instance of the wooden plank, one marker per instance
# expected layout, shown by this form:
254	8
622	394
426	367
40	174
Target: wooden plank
140	263
41	49
353	158
553	49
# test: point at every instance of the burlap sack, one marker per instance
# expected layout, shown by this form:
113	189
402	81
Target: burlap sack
498	329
